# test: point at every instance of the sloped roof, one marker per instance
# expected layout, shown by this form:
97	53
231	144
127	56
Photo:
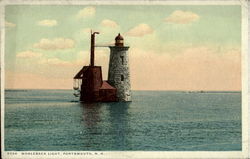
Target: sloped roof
106	85
79	75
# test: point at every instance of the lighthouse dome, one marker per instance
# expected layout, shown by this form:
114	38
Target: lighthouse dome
119	37
119	40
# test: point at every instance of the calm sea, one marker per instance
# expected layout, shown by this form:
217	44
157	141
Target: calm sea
155	120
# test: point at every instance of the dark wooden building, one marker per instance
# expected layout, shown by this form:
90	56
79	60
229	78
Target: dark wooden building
93	88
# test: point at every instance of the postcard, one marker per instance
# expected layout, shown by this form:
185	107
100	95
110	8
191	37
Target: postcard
124	79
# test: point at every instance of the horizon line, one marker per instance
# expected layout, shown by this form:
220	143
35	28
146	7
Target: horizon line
131	90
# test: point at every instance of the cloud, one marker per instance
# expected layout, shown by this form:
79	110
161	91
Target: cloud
47	23
86	12
195	68
58	62
140	30
55	62
54	44
83	57
9	24
109	23
28	54
182	17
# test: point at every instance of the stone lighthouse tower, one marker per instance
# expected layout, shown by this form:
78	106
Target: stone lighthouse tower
118	74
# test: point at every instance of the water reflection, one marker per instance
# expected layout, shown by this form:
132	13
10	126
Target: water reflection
91	114
106	125
119	120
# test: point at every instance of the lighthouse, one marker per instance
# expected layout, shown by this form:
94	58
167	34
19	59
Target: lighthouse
90	84
118	73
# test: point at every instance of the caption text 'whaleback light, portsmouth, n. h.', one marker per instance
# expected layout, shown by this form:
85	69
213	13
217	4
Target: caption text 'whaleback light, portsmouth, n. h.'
88	81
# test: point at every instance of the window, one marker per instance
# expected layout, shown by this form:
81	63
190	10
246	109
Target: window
122	58
122	78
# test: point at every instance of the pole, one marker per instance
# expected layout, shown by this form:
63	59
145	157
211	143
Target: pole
92	49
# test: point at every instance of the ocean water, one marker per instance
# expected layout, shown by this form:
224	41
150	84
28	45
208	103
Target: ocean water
53	120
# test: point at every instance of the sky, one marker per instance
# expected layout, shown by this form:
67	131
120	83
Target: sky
172	47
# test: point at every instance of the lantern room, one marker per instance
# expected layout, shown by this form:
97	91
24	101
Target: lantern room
119	40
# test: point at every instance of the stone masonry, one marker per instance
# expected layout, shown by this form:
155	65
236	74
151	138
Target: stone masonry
118	74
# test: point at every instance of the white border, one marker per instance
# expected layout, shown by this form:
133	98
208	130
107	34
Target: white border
141	154
244	72
124	2
2	44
